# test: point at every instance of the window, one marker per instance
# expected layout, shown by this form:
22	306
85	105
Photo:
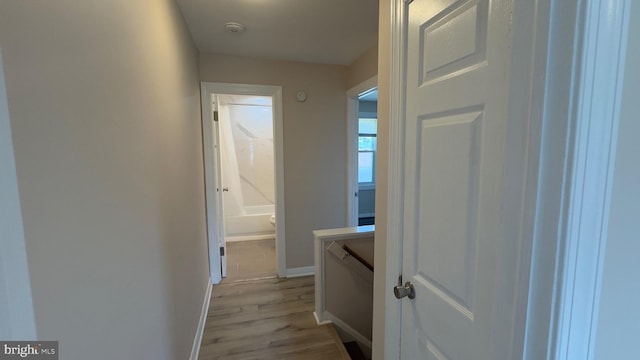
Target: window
367	146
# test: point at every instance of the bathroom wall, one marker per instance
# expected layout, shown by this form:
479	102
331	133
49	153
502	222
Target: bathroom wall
246	124
252	128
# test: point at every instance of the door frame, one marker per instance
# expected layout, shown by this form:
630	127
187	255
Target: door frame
565	88
352	146
207	90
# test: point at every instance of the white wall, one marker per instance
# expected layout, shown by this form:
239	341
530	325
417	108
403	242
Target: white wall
16	306
364	68
619	318
104	105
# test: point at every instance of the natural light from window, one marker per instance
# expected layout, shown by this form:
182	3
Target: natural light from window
367	145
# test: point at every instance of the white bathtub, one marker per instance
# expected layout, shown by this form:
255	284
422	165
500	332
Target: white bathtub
254	222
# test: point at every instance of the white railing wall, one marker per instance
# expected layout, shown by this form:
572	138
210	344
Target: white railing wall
344	282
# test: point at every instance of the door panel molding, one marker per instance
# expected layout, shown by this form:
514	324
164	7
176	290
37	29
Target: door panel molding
559	77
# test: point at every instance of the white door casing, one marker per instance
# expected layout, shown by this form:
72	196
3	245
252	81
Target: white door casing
215	221
455	144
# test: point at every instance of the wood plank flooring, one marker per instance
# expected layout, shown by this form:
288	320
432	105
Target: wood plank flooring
267	319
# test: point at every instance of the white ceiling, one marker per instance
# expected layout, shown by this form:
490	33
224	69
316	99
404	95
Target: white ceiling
320	31
369	95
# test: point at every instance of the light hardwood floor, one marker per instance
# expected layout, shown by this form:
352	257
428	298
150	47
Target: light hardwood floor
267	319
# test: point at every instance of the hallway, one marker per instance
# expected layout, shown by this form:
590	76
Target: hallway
267	319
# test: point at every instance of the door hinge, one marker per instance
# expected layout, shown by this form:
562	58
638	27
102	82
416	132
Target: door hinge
215	116
222	251
355	194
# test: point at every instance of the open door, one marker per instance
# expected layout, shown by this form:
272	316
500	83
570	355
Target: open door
220	188
213	185
458	280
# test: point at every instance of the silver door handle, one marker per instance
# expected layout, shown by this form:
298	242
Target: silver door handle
225	189
404	291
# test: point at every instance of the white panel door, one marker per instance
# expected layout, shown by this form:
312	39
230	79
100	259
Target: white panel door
219	188
456	116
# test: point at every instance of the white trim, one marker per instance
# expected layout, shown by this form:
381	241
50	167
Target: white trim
337	322
300	271
250	238
352	147
208	88
527	86
197	340
395	183
600	53
565	215
319	321
321	237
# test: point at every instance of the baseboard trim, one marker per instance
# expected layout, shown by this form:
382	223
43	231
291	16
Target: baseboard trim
301	271
271	236
195	349
320	322
359	338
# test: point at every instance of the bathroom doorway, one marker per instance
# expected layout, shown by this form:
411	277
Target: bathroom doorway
248	185
242	128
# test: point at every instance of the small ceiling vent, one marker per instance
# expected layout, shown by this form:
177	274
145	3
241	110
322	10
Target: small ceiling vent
234	27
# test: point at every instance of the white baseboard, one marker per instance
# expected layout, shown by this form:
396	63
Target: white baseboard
195	349
359	338
250	237
320	322
301	271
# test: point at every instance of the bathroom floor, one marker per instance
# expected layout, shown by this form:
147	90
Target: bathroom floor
252	259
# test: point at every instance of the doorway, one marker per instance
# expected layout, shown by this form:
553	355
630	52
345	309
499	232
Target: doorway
248	188
242	138
362	105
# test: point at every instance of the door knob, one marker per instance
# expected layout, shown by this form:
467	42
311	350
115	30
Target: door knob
404	291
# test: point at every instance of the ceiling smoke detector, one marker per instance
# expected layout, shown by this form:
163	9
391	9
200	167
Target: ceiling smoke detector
234	27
